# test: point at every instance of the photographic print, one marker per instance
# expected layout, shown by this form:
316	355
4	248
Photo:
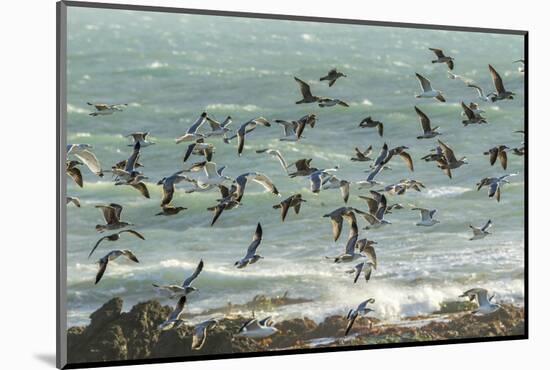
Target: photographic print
241	185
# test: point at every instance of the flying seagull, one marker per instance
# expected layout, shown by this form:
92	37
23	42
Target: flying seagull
495	185
349	253
481	232
500	153
199	147
170	210
332	76
369	123
86	156
449	162
257	329
330	102
333	182
251	256
141	137
102	109
472	117
73	200
212	176
427	91
169	187
442	58
111	214
177	291
361	309
227	202
74	172
114	237
364	268
481	297
305	90
245	129
104	261
337	219
258	177
294	201
191	134
175	319
292	131
427	131
501	93
427	216
218	129
199	334
521	68
480	93
362	156
275	154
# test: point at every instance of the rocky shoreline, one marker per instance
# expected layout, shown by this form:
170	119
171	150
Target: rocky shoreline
114	335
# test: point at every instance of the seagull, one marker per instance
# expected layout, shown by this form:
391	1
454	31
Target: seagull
104	261
370	182
435	155
363	267
137	183
494	184
336	219
427	131
376	220
309	119
449	161
257	329
521	68
303	168
129	172
330	102
305	90
251	256
141	137
111	214
501	92
369	122
471	115
367	246
212	176
475	108
73	200
199	334
317	178
332	76
177	291
480	93
484	303
500	153
258	177
169	186
427	91
362	310
227	202
427	216
362	156
199	147
332	182
276	154
72	170
219	129
481	232
442	58
294	201
246	128
378	200
170	210
174	320
349	254
114	237
191	134
86	156
106	109
292	130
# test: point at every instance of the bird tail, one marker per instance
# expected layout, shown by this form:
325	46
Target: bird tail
99	228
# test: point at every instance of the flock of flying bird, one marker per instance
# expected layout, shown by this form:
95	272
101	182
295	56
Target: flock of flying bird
208	176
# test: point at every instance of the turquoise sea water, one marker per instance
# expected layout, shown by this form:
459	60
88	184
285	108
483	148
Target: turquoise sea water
170	67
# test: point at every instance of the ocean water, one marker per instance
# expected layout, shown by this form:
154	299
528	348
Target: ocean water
170	67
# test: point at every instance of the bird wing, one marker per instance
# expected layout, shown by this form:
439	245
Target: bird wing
315	181
215	125
90	160
198	123
304	88
374	172
469	112
240	142
199	337
102	267
351	320
487	226
217	212
438	52
76	175
280	157
285	205
178	309
497	80
167	193
424	213
256	240
210	169
196	273
503	159
424	82
344	190
109	213
142	188
358	270
352	241
133	232
336	222
479	89
96	245
371	253
131	162
447	152
371	203
408	160
266	182
424	120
